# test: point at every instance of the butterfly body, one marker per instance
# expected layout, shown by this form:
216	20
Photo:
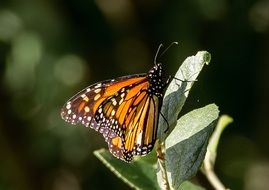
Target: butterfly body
125	110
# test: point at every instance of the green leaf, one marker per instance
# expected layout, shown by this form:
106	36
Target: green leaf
186	185
187	143
140	174
178	90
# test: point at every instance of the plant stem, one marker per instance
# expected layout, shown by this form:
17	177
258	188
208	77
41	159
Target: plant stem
214	180
161	161
210	174
211	153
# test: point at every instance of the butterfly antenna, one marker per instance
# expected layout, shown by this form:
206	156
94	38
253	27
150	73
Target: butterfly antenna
173	43
157	53
159	48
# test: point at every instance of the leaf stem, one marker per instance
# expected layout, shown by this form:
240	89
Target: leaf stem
214	180
211	154
161	161
211	176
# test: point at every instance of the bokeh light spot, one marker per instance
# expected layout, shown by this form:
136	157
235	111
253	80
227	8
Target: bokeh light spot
70	69
259	16
25	55
10	24
261	172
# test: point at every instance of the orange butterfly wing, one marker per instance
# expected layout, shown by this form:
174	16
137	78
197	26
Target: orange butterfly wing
135	112
86	108
125	110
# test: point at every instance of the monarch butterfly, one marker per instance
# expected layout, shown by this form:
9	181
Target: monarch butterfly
125	110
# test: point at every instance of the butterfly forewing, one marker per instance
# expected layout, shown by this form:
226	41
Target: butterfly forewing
82	107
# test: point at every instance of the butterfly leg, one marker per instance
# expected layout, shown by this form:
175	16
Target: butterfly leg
167	128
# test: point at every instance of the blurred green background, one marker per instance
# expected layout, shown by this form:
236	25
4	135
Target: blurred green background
49	50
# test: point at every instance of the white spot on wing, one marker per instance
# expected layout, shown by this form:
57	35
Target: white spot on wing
121	100
97	90
68	106
98	85
96	97
139	138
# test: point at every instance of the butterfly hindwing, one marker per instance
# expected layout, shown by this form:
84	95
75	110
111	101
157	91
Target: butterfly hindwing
133	115
141	133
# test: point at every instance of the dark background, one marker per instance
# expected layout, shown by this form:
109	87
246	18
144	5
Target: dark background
49	50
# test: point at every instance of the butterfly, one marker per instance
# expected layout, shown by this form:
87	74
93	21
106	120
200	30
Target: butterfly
124	110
